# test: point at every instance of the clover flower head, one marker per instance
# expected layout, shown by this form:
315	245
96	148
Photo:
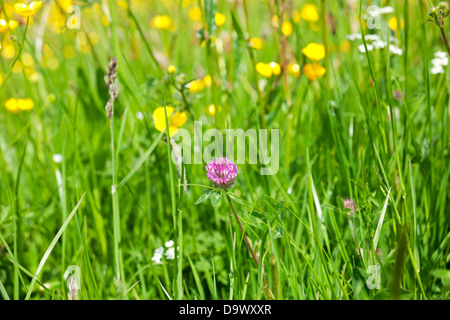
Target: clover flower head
222	172
350	204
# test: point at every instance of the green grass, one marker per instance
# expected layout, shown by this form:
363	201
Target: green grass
373	129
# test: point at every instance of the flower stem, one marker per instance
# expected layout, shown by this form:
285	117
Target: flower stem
18	55
444	38
249	246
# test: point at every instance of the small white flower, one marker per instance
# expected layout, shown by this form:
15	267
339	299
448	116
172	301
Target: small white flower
170	253
440	61
440	54
354	36
378	44
169	244
396	50
157	255
372	37
57	157
139	115
437	69
362	49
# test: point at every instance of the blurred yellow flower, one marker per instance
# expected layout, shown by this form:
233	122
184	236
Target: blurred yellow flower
6	26
196	85
309	12
212	110
12	105
25	104
296	16
275	22
17	67
104	21
314	51
268	70
256	43
207	80
264	69
26	10
195	14
122	4
220	19
276	69
345	45
27	59
313	71
171	69
393	23
294	69
8	51
286	28
162	22
69	52
16	105
176	120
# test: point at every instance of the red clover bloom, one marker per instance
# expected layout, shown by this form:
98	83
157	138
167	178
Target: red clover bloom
222	172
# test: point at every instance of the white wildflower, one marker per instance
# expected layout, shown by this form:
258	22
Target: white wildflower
436	69
379	44
396	50
170	253
57	157
169	244
372	37
139	115
362	49
354	36
157	255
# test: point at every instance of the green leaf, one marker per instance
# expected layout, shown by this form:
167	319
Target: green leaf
279	232
215	198
205	197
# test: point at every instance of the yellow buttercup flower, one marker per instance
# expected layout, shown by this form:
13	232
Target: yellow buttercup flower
26	10
16	105
309	12
25	104
195	14
264	69
393	23
314	51
176	120
294	69
286	28
256	43
162	22
8	51
276	69
212	110
220	19
171	69
313	71
12	105
27	60
122	4
196	85
207	80
268	70
6	26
